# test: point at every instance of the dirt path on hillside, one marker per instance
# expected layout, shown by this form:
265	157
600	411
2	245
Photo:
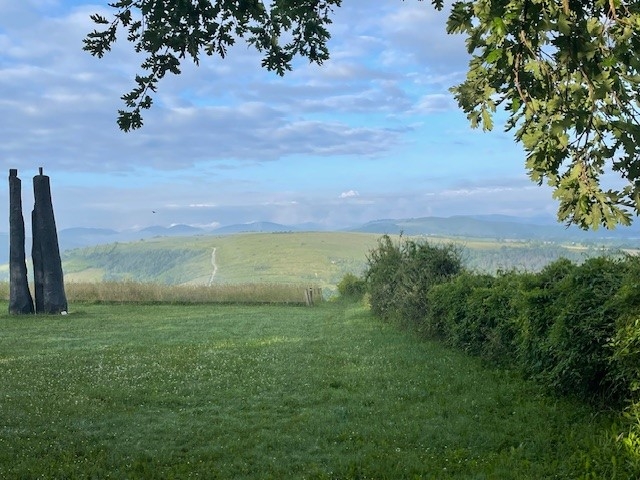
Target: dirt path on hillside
214	266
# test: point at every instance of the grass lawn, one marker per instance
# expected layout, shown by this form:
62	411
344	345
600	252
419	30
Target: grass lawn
165	391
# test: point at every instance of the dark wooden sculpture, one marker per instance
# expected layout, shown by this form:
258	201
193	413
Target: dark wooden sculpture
47	266
20	300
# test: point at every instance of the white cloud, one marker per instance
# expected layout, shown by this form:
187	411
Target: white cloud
63	102
349	194
206	226
228	142
417	33
437	102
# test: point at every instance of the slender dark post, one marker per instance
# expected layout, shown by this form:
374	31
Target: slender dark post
20	300
47	266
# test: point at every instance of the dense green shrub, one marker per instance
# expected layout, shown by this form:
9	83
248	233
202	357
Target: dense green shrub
399	276
501	307
574	328
625	358
444	309
629	437
424	266
584	326
352	286
625	344
384	266
449	314
538	310
477	314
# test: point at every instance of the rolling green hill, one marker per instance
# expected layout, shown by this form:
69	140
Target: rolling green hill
318	258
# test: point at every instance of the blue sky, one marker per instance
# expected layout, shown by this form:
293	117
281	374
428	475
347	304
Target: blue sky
372	133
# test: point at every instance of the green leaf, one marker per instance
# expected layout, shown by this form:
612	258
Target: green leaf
594	26
487	121
564	25
499	27
493	56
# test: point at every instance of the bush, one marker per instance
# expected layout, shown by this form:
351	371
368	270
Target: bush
352	286
625	344
475	313
625	359
384	265
424	266
538	310
584	323
399	276
573	328
629	437
499	310
448	316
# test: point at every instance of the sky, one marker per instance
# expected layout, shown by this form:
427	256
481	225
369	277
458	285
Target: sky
372	133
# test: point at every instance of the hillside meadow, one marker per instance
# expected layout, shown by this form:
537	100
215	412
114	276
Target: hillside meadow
318	258
299	258
239	391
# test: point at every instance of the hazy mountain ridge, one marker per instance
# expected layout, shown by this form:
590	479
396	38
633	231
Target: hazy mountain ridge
496	227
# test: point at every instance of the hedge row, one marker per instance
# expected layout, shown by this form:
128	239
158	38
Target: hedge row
574	328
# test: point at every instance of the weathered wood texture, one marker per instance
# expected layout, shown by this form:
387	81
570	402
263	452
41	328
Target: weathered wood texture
20	300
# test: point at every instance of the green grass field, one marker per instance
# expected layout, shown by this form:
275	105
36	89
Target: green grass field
317	258
209	391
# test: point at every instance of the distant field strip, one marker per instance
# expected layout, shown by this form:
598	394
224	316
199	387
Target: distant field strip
237	392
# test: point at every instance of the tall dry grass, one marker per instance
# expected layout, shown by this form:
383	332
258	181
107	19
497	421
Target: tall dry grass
134	292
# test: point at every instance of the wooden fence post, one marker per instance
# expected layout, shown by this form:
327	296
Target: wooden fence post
311	295
308	296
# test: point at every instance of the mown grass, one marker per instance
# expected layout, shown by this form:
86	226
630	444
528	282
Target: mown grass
210	391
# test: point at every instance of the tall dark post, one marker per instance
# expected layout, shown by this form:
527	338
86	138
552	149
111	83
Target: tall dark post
47	266
20	300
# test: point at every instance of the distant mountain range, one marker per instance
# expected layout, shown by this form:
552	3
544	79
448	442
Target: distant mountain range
477	226
498	227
